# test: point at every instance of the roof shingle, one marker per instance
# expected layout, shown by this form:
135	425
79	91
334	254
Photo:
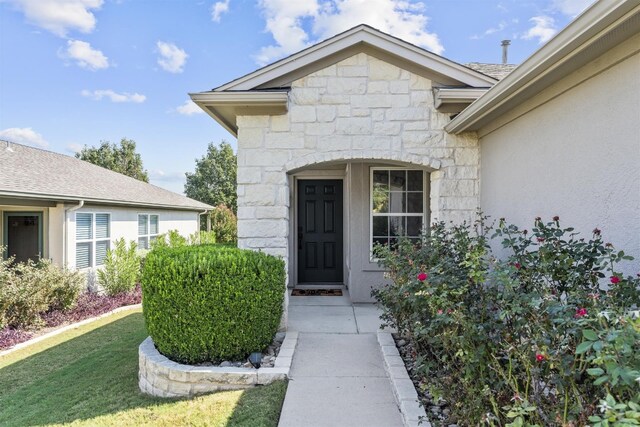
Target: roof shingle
29	171
497	71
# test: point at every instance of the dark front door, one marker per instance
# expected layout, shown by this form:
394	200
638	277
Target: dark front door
319	231
23	236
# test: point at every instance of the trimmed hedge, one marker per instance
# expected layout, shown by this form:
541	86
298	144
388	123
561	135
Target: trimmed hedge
210	303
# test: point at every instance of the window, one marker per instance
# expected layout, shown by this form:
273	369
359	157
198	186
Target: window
398	204
148	229
93	239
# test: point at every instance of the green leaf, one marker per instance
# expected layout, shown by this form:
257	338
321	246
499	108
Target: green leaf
603	379
595	371
583	347
590	334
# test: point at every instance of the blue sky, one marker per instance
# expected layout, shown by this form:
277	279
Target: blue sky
77	72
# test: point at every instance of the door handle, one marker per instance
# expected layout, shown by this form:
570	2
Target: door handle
300	235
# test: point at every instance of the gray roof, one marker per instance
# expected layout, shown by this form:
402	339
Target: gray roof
497	71
34	173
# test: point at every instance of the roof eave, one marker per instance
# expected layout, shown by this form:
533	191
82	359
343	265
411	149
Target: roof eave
447	96
89	200
574	40
224	107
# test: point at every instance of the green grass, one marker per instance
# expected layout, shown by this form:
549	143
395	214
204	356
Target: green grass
88	377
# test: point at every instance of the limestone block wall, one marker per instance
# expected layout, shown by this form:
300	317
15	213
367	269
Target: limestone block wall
359	108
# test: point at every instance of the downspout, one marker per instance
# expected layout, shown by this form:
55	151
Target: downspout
65	237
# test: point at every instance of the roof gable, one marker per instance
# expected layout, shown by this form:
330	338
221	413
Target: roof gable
363	38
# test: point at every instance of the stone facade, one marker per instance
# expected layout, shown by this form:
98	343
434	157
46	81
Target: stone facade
359	109
159	376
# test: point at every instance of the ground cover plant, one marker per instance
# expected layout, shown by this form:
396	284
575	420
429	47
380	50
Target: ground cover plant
88	377
209	303
533	338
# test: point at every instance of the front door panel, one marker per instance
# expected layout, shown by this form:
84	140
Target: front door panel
319	231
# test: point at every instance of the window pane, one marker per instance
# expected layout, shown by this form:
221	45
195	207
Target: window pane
83	255
380	241
101	251
143	243
102	226
143	225
380	226
415	181
84	229
380	200
381	180
397	202
153	224
396	226
414	202
398	180
414	225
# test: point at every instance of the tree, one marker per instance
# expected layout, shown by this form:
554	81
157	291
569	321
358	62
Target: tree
214	180
122	159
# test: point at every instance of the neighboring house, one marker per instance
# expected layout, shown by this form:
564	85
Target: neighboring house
70	211
364	137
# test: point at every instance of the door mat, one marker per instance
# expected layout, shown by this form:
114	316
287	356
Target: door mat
316	293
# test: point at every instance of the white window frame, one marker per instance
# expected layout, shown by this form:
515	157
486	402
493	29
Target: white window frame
149	235
389	214
94	239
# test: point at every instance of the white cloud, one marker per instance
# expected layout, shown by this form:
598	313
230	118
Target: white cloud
572	7
25	136
189	108
114	96
286	22
543	29
74	148
160	175
172	58
60	16
218	9
85	55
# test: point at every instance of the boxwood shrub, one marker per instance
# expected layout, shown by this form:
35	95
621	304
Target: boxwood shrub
210	303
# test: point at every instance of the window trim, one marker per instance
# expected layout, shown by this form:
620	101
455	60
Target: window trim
425	199
149	235
93	240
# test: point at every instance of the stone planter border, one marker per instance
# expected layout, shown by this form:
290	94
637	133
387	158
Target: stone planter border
403	388
159	376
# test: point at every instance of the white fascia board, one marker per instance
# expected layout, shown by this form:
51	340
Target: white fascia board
600	18
457	95
89	200
360	35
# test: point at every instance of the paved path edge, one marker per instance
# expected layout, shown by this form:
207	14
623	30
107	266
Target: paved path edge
413	414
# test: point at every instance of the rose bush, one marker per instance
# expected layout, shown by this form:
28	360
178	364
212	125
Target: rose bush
534	338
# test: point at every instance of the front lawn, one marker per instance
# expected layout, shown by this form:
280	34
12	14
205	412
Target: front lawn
88	376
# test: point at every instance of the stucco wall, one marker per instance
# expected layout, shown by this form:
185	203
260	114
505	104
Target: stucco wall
576	155
358	110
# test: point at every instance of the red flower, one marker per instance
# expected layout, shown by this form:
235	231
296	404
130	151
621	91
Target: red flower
517	265
540	357
581	312
596	231
556	218
615	279
422	276
439	311
540	239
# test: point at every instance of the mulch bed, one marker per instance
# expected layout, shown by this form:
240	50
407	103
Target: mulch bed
316	292
437	410
90	304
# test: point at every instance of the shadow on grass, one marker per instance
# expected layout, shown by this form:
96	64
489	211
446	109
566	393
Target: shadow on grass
94	376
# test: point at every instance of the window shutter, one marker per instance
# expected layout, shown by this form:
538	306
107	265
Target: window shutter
101	251
83	255
153	224
102	226
84	229
142	225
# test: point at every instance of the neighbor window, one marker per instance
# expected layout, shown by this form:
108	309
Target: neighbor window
397	205
93	238
148	226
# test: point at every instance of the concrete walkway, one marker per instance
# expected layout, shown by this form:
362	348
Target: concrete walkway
337	376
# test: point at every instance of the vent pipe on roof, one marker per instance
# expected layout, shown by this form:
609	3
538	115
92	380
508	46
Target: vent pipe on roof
505	48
